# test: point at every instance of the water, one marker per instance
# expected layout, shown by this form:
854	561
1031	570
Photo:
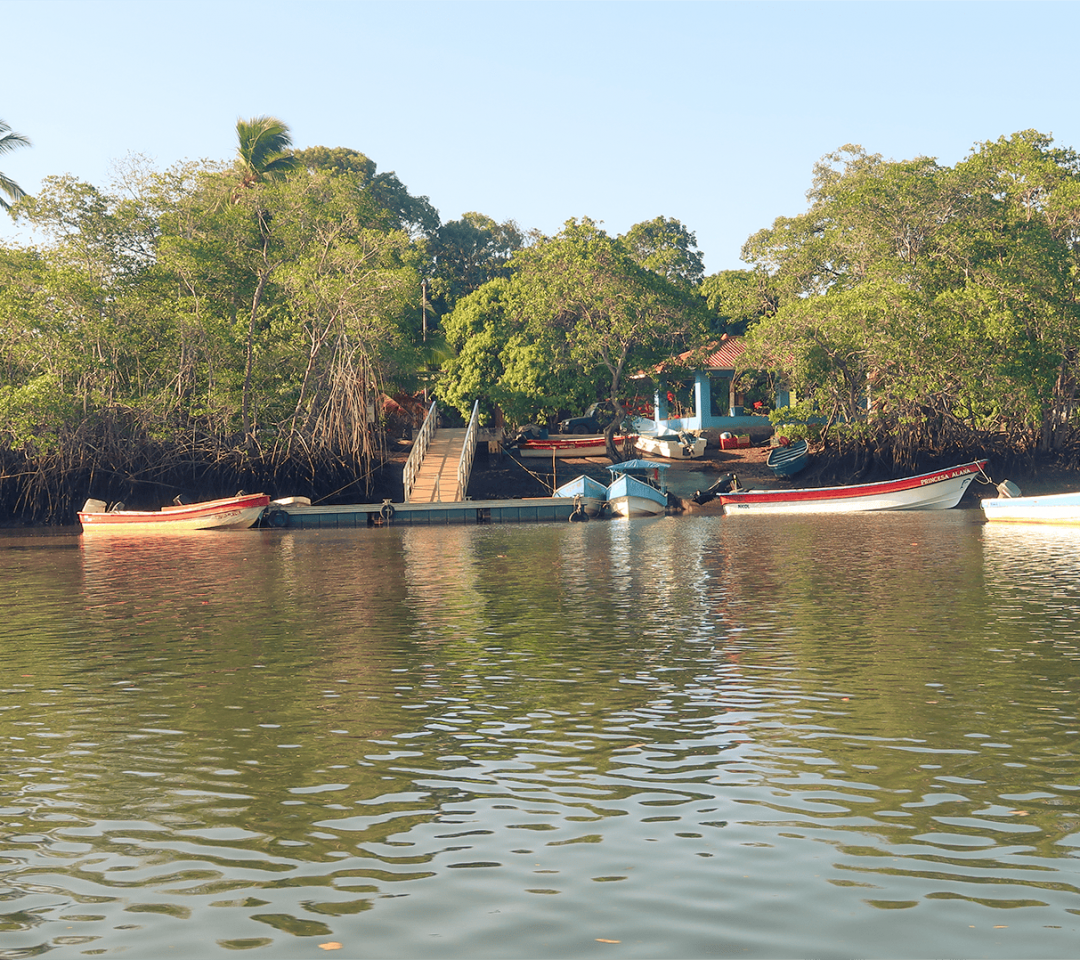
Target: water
671	738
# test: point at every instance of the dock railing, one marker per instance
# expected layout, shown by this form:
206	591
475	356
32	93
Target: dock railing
419	450
468	453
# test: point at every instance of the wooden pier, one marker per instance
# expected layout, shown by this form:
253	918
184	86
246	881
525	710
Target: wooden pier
436	480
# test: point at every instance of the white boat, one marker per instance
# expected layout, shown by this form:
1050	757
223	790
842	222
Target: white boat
638	489
684	446
589	494
231	513
938	490
1011	507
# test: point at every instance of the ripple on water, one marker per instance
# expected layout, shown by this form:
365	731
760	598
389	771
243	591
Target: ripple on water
696	738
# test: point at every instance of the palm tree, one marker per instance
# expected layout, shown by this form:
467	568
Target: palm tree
10	141
264	150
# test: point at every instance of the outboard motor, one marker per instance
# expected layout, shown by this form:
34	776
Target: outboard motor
726	484
1008	489
528	431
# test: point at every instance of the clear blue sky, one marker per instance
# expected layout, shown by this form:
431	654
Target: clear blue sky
711	113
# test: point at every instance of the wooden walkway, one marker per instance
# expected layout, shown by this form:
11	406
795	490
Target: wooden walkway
436	482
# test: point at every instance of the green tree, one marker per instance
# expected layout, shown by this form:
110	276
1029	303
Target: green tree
945	299
317	301
737	298
469	252
9	141
499	362
666	247
577	315
383	192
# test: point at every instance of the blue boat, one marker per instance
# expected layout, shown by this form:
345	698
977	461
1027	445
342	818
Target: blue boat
789	460
639	488
589	495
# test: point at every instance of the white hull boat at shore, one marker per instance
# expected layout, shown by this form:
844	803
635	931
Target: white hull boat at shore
231	513
674	447
638	489
939	490
1062	509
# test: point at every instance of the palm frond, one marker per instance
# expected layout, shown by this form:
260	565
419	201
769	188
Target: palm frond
263	143
12	141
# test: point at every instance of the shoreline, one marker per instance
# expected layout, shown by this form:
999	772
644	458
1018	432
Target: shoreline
502	477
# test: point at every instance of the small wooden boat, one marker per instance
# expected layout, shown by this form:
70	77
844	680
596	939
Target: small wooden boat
231	513
566	447
589	494
638	488
788	460
938	490
676	446
1011	507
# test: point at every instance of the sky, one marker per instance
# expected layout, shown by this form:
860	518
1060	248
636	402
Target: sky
711	113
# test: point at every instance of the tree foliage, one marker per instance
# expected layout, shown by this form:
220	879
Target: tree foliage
241	321
578	315
255	337
945	300
469	252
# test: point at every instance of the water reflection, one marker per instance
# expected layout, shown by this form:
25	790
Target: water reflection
698	737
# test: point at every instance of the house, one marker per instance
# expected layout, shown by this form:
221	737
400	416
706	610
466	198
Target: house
714	371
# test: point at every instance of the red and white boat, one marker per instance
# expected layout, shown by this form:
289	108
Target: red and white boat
938	490
567	447
231	513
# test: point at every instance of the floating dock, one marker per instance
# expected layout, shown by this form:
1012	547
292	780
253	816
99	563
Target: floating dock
298	513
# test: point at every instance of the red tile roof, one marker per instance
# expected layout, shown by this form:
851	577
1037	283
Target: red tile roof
722	354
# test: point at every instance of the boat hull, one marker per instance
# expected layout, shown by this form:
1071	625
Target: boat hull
630	497
589	494
788	461
673	448
1062	509
566	447
939	490
231	513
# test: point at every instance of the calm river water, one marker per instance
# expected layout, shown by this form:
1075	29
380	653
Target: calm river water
673	738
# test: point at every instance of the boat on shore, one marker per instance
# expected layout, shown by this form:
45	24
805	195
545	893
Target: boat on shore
230	513
566	447
676	446
1011	507
787	460
938	490
638	489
